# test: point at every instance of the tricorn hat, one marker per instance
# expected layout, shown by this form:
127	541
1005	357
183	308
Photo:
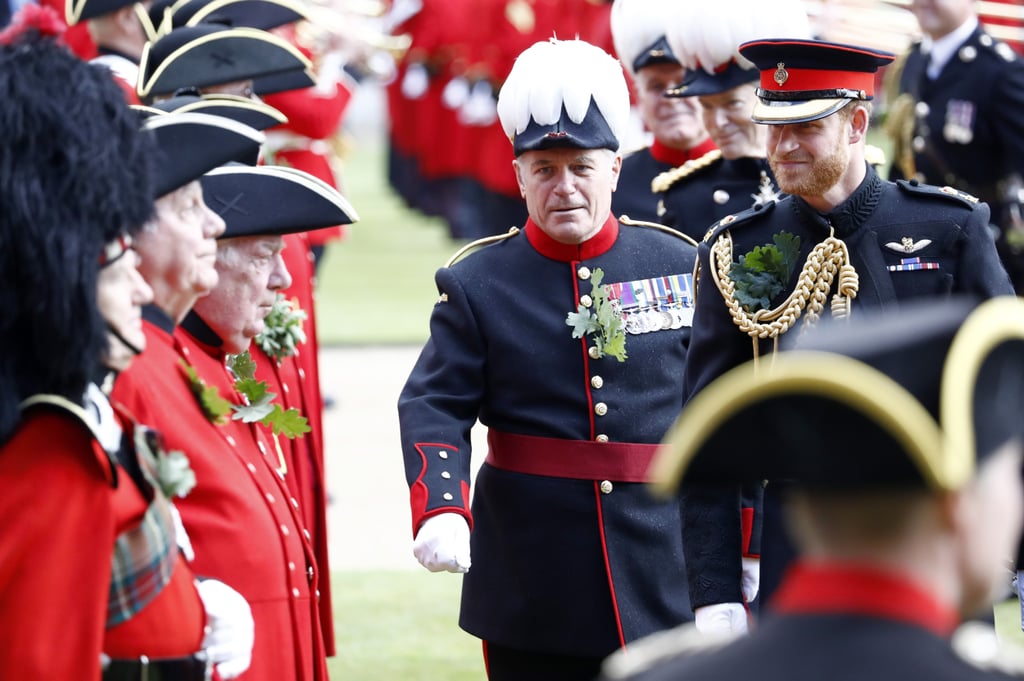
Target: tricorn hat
211	54
564	93
269	200
804	80
913	398
262	14
191	144
252	112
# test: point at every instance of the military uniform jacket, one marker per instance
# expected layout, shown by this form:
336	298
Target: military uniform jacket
634	196
836	622
969	121
905	241
244	523
573	563
705	195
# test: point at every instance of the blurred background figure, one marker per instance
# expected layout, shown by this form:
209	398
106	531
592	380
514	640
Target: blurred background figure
674	125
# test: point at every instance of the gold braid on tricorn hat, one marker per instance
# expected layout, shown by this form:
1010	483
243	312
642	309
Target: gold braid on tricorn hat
828	258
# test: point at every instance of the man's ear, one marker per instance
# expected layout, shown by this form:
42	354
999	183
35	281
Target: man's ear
859	122
616	169
519	177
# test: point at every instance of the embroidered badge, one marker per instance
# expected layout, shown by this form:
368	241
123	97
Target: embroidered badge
908	245
912	265
766	191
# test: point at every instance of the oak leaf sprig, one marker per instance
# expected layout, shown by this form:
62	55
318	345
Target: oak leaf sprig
214	407
603	322
260	406
283	329
763	273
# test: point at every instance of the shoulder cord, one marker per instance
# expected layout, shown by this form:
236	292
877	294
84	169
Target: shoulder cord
823	262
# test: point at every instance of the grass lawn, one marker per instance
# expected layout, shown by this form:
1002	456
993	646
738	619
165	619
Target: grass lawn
401	625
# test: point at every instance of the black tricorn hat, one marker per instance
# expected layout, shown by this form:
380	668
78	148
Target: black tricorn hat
911	398
77	11
211	54
262	14
191	144
252	112
269	200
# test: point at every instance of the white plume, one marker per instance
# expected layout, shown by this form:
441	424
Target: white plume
553	73
636	25
708	34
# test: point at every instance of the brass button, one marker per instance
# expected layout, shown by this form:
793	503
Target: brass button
602	438
594	352
447	496
583	272
446	475
443	454
918	144
597	382
600	408
606	487
586	301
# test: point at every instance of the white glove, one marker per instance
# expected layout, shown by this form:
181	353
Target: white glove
721	618
414	84
229	628
455	93
751	579
480	107
442	543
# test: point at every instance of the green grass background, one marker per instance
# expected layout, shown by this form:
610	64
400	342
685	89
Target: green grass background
376	287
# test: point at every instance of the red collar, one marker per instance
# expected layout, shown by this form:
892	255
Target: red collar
824	588
676	157
556	250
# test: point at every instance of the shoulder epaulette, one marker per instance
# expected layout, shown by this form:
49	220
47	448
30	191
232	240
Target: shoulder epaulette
626	220
670	177
730	221
979	646
915	187
646	652
874	155
78	411
473	245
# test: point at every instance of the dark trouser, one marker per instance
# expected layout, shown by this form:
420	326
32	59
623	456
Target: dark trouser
176	669
511	664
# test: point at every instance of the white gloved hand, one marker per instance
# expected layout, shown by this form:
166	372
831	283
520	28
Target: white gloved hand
455	93
480	107
442	543
415	82
229	628
750	582
721	618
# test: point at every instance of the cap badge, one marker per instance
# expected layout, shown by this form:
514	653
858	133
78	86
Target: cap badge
657	54
781	75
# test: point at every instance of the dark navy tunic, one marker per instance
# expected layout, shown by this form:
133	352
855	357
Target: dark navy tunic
968	130
884	225
695	202
568	564
634	197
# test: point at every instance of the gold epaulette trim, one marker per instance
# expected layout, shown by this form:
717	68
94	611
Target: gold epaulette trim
473	245
645	653
626	220
670	177
874	155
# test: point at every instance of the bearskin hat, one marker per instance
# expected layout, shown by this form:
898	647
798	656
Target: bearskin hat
74	175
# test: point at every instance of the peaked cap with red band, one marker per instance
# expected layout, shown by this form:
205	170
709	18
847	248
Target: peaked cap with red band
804	80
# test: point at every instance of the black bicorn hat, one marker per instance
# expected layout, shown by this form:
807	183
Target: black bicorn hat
191	144
273	200
907	399
804	80
263	14
207	55
638	31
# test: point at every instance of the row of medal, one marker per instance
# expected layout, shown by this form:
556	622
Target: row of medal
655	304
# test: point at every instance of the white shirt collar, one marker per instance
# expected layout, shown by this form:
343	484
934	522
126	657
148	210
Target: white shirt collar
943	49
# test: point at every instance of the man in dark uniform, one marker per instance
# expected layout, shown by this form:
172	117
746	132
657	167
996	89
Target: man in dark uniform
845	239
960	118
566	339
735	176
907	519
638	27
